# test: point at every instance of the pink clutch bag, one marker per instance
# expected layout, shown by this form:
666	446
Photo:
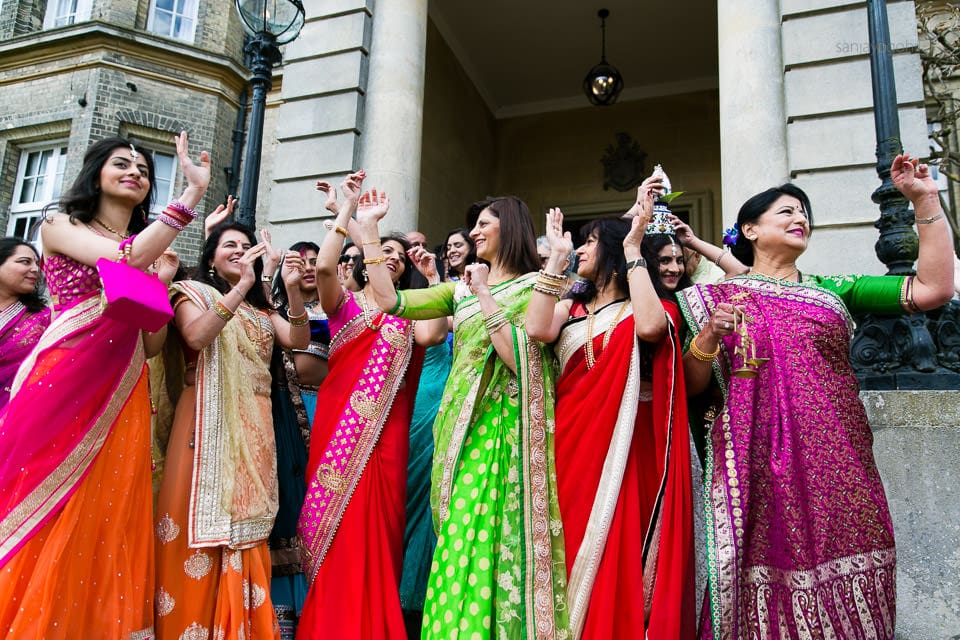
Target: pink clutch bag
132	296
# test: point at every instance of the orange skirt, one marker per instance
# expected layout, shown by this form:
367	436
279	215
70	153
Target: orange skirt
89	571
214	592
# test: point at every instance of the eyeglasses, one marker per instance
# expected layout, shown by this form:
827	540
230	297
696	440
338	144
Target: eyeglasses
350	259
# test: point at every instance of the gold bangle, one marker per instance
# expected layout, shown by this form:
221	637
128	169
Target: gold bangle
549	290
376	242
723	252
556	277
700	354
341	231
223	311
377	260
298	320
495	320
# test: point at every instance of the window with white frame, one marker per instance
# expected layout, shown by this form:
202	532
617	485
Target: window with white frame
61	13
173	18
39	182
164	175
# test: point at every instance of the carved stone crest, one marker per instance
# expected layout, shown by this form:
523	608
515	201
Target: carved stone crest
623	164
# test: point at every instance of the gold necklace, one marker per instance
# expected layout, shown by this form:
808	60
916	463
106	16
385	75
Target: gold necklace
591	315
122	236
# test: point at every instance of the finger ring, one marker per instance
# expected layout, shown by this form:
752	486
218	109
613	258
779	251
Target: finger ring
727	325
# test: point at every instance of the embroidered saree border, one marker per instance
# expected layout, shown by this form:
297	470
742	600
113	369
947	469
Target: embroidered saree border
347	453
10	314
587	563
47	497
538	549
210	521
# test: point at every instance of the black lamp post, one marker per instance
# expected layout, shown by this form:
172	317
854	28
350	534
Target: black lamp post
269	24
898	352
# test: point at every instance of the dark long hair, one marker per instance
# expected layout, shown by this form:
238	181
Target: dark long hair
82	200
755	207
611	265
33	301
471	256
518	240
406	280
279	290
650	250
207	275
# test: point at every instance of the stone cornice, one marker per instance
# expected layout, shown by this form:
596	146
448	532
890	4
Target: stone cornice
93	37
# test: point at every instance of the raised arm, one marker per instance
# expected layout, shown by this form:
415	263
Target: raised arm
545	314
293	333
933	285
371	207
720	257
649	318
329	290
79	242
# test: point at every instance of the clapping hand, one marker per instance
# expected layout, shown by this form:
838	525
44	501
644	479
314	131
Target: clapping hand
352	185
198	176
293	268
271	256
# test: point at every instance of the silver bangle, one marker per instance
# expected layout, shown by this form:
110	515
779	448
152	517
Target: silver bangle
929	220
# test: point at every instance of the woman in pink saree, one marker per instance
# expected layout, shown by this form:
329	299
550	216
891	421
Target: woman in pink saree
24	314
799	536
75	482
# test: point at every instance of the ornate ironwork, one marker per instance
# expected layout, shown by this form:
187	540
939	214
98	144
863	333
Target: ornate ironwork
919	351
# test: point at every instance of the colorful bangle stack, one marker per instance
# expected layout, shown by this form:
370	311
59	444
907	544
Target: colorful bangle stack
550	283
298	320
700	354
495	320
177	215
221	310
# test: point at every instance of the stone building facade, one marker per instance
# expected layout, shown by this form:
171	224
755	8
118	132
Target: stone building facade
73	72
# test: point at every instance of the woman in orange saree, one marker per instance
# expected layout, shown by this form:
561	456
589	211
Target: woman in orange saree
621	443
218	495
75	486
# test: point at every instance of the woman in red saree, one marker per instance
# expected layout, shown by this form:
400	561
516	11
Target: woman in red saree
352	522
622	447
76	550
24	314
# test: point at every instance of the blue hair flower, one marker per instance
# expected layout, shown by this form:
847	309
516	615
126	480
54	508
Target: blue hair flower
730	235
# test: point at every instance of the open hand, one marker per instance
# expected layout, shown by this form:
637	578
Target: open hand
352	185
560	241
684	233
198	176
372	206
247	275
218	215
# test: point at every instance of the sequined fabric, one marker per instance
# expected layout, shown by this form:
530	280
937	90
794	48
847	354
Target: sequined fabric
69	281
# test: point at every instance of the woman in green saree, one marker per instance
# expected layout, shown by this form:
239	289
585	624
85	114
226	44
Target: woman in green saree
498	570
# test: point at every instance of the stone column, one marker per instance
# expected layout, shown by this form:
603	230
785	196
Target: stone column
753	139
393	124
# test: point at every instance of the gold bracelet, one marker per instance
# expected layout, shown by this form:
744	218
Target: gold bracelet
298	320
929	220
376	242
700	354
723	252
495	320
556	277
540	287
376	260
223	311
